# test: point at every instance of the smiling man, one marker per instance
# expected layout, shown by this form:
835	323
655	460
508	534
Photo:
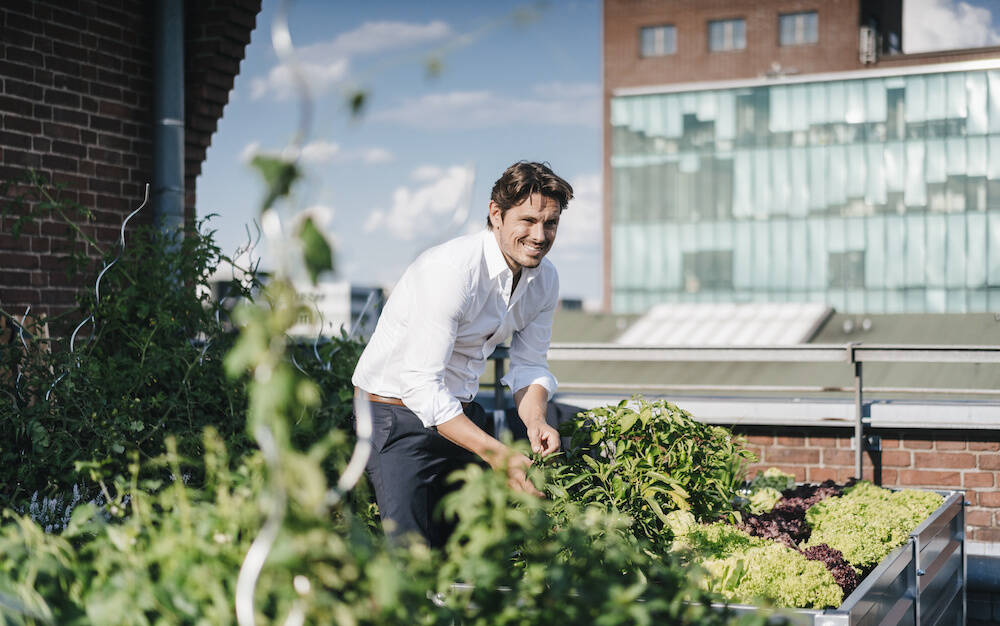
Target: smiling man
448	312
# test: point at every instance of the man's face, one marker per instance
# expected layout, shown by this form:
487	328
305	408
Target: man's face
526	231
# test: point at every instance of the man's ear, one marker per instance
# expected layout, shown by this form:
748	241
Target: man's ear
495	216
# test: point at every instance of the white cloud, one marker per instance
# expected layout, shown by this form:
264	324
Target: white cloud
376	156
946	25
377	37
280	83
321	214
577	251
436	206
548	104
320	152
326	64
249	151
581	224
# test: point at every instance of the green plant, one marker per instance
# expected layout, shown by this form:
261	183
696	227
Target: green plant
649	460
146	363
750	569
525	560
762	500
867	522
171	553
773	478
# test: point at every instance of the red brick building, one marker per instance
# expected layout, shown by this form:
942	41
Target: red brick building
76	106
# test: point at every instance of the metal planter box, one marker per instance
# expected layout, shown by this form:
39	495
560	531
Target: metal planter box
920	583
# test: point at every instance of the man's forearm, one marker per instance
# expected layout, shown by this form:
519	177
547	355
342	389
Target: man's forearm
532	403
462	431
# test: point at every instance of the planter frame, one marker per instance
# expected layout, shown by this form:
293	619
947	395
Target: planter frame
920	583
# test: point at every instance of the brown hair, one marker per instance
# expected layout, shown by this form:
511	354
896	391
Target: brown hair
524	178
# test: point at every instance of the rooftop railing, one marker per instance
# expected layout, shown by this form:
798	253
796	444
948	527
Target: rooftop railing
854	355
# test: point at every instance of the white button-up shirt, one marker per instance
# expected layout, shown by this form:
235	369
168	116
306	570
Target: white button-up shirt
448	312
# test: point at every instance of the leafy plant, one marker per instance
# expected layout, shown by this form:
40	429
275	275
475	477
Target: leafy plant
172	554
762	500
749	569
867	522
774	478
649	460
146	363
525	560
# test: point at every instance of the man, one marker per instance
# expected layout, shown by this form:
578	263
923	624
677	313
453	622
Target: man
421	368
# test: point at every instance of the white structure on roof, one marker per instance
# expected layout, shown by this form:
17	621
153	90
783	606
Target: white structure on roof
710	324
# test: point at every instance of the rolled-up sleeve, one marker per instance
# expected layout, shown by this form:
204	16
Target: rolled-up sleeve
529	347
436	300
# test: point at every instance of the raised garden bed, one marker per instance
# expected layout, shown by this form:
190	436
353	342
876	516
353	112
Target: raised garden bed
921	581
821	554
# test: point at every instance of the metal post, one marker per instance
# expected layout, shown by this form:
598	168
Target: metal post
499	402
168	115
859	415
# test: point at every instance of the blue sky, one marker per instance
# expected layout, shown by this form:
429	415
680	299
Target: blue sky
426	150
417	167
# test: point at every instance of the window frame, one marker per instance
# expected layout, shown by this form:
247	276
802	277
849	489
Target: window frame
804	42
652	28
723	21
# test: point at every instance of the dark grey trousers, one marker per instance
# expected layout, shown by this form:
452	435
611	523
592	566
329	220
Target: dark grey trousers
408	468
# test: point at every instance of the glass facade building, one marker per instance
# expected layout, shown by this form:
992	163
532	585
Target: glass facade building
871	192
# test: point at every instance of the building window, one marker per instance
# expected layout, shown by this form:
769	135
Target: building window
706	270
847	269
798	28
657	41
727	35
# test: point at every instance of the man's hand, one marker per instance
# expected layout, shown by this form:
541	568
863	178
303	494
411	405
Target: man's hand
532	403
516	466
462	431
544	439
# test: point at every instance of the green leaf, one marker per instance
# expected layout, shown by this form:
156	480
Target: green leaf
656	508
278	175
316	251
628	421
357	101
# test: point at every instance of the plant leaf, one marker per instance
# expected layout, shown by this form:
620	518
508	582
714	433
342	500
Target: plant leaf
316	251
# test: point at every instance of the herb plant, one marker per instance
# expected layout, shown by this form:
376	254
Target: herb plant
645	459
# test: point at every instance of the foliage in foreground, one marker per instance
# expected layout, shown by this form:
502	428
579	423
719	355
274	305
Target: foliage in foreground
172	554
649	458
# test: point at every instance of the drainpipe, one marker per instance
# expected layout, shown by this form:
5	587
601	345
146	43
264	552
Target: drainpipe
168	115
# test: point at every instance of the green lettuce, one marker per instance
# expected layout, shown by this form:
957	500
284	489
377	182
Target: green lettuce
867	522
774	478
742	568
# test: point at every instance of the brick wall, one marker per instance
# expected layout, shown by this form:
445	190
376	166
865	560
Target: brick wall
938	459
76	95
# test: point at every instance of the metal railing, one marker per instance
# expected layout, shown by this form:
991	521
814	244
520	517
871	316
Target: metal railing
854	354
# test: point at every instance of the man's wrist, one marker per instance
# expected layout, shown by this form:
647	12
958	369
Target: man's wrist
533	420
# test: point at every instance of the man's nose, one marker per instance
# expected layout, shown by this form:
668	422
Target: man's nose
538	231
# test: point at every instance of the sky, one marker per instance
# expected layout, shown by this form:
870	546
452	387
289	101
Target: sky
417	167
511	81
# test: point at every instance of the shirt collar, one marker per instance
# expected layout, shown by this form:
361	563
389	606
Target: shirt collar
495	263
497	266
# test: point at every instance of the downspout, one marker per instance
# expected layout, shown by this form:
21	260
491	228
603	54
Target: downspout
168	115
